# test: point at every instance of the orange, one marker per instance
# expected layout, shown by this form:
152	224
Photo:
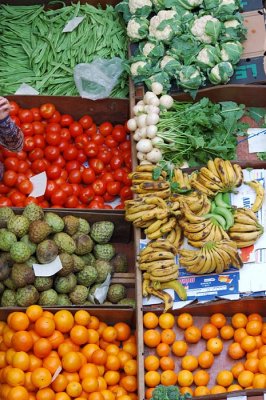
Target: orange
215	346
82	317
56	339
255	317
150	320
152	338
248	343
79	334
234	387
90	384
101	369
239	320
254	327
131	367
51	363
259	381
113	363
96	396
205	359
45	394
131	348
18	393
237	368
3	361
21	360
41	378
112	349
19	321
239	334
201	391
252	365
8	336
259	340
245	378
262	365
209	331
235	351
34	336
163	349
94	322
225	378
262	351
15	377
65	348
35	362
123	357
201	378
89	349
44	326
42	348
9	354
99	357
189	362
109	334
108	395
74	389
263	336
48	314
123	331
217	389
151	363
130	383
152	378
168	336
62	396
227	332
166	321
218	320
168	378
167	363
192	334
71	362
34	312
184	378
64	321
179	348
148	393
112	377
22	341
184	390
60	383
253	354
184	320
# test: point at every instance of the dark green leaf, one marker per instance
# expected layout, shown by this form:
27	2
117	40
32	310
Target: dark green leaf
156	173
261	156
256	113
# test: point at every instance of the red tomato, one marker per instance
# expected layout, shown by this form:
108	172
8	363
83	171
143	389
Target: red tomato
65	134
91	150
81	157
63	145
5	202
20	178
7	153
94	204
71	202
27	129
105	156
107	177
25	115
60	161
86	121
99	187
36	114
10	178
127	181
11	163
50	189
116	162
97	165
23	166
88	176
58	197
108	197
53	171
21	155
74	176
47	110
126	145
15	119
97	138
75	129
113	188
106	128
127	158
120	206
25	186
86	195
30	200
91	130
66	120
39	166
3	189
70	153
110	142
56	117
17	198
81	141
119	133
38	128
119	174
43	204
126	193
70	165
76	189
68	189
53	128
51	153
14	108
36	154
39	141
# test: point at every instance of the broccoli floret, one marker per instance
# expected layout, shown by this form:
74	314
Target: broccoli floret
167	393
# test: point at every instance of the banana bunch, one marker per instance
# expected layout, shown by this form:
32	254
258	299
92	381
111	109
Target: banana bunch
176	236
157	263
212	257
259	189
145	184
219	176
197	202
182	180
246	229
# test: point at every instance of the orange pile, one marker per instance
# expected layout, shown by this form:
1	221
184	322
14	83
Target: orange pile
248	347
46	356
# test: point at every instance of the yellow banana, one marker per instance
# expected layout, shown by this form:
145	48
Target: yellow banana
140	214
155	235
186	181
154	213
208	174
237	227
211	166
223	233
197	267
225	257
177	286
156	201
156	255
145	286
164	194
163	244
199	235
205	208
241	217
221	169
208	183
191	217
171	236
141	207
219	262
230	173
178	236
155	265
154	185
235	258
168	226
164	278
139	223
155	226
239	175
203	189
209	265
257	186
142	176
245	236
197	227
166	297
192	262
145	168
163	272
249	213
178	175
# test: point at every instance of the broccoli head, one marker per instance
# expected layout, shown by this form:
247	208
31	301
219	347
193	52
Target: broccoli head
162	392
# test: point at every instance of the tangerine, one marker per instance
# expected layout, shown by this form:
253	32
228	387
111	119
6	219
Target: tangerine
166	321
201	378
227	332
225	378
239	320
168	336
64	321
44	326
209	331
82	317
248	343
189	363
254	327
235	351
245	378
252	365
185	378
152	378
215	345
179	348
41	377
237	368
217	389
168	378
163	349
218	320
34	312
184	320
150	320
167	363
206	359
192	334
152	338
259	381
151	363
201	391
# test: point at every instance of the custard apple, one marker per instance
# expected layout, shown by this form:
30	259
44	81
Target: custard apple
18	225
101	232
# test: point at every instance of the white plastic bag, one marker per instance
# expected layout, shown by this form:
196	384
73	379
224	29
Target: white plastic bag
96	80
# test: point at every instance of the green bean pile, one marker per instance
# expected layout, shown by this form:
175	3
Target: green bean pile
34	50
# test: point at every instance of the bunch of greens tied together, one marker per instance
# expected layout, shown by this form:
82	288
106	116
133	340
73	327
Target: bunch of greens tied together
183	41
197	132
35	51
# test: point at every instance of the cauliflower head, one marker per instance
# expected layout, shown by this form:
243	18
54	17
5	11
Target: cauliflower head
170	65
231	51
137	29
152	49
208	57
190	78
206	29
164	26
221	73
137	68
141	8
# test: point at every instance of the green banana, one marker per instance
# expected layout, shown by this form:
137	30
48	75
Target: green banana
177	286
226	214
217	218
213	206
219	201
227	198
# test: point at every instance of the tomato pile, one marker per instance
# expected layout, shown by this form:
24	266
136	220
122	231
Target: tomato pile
45	356
175	359
86	166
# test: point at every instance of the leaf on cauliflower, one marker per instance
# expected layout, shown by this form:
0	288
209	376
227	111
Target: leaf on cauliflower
221	73
185	47
160	77
213	29
231	51
123	8
189	4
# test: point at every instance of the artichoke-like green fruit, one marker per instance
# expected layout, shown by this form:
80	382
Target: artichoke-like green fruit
84	244
128	302
71	224
104	251
48	298
39	231
6	240
84	226
32	246
55	222
119	263
47	251
22	275
63	300
89	259
79	264
2	288
65	284
32	260
67	262
65	243
6	263
103	268
8	298
79	295
6	213
116	292
27	296
33	212
19	225
20	252
101	232
87	276
43	283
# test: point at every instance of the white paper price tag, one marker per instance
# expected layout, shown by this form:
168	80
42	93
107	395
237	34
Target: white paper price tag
48	269
39	183
72	24
237	398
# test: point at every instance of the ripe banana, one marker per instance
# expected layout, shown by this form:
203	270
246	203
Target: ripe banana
191	217
177	286
242	217
178	237
145	286
238	227
197	227
211	166
221	169
173	269
203	189
163	244
208	174
168	226
165	278
155	226
166	297
162	265
239	175
156	201
257	186
155	256
208	183
231	176
171	236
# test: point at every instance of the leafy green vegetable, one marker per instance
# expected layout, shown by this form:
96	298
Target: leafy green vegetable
162	392
185	47
256	113
156	173
261	156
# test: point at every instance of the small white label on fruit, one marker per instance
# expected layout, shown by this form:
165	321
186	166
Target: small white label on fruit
57	372
26	89
47	269
39	183
72	24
